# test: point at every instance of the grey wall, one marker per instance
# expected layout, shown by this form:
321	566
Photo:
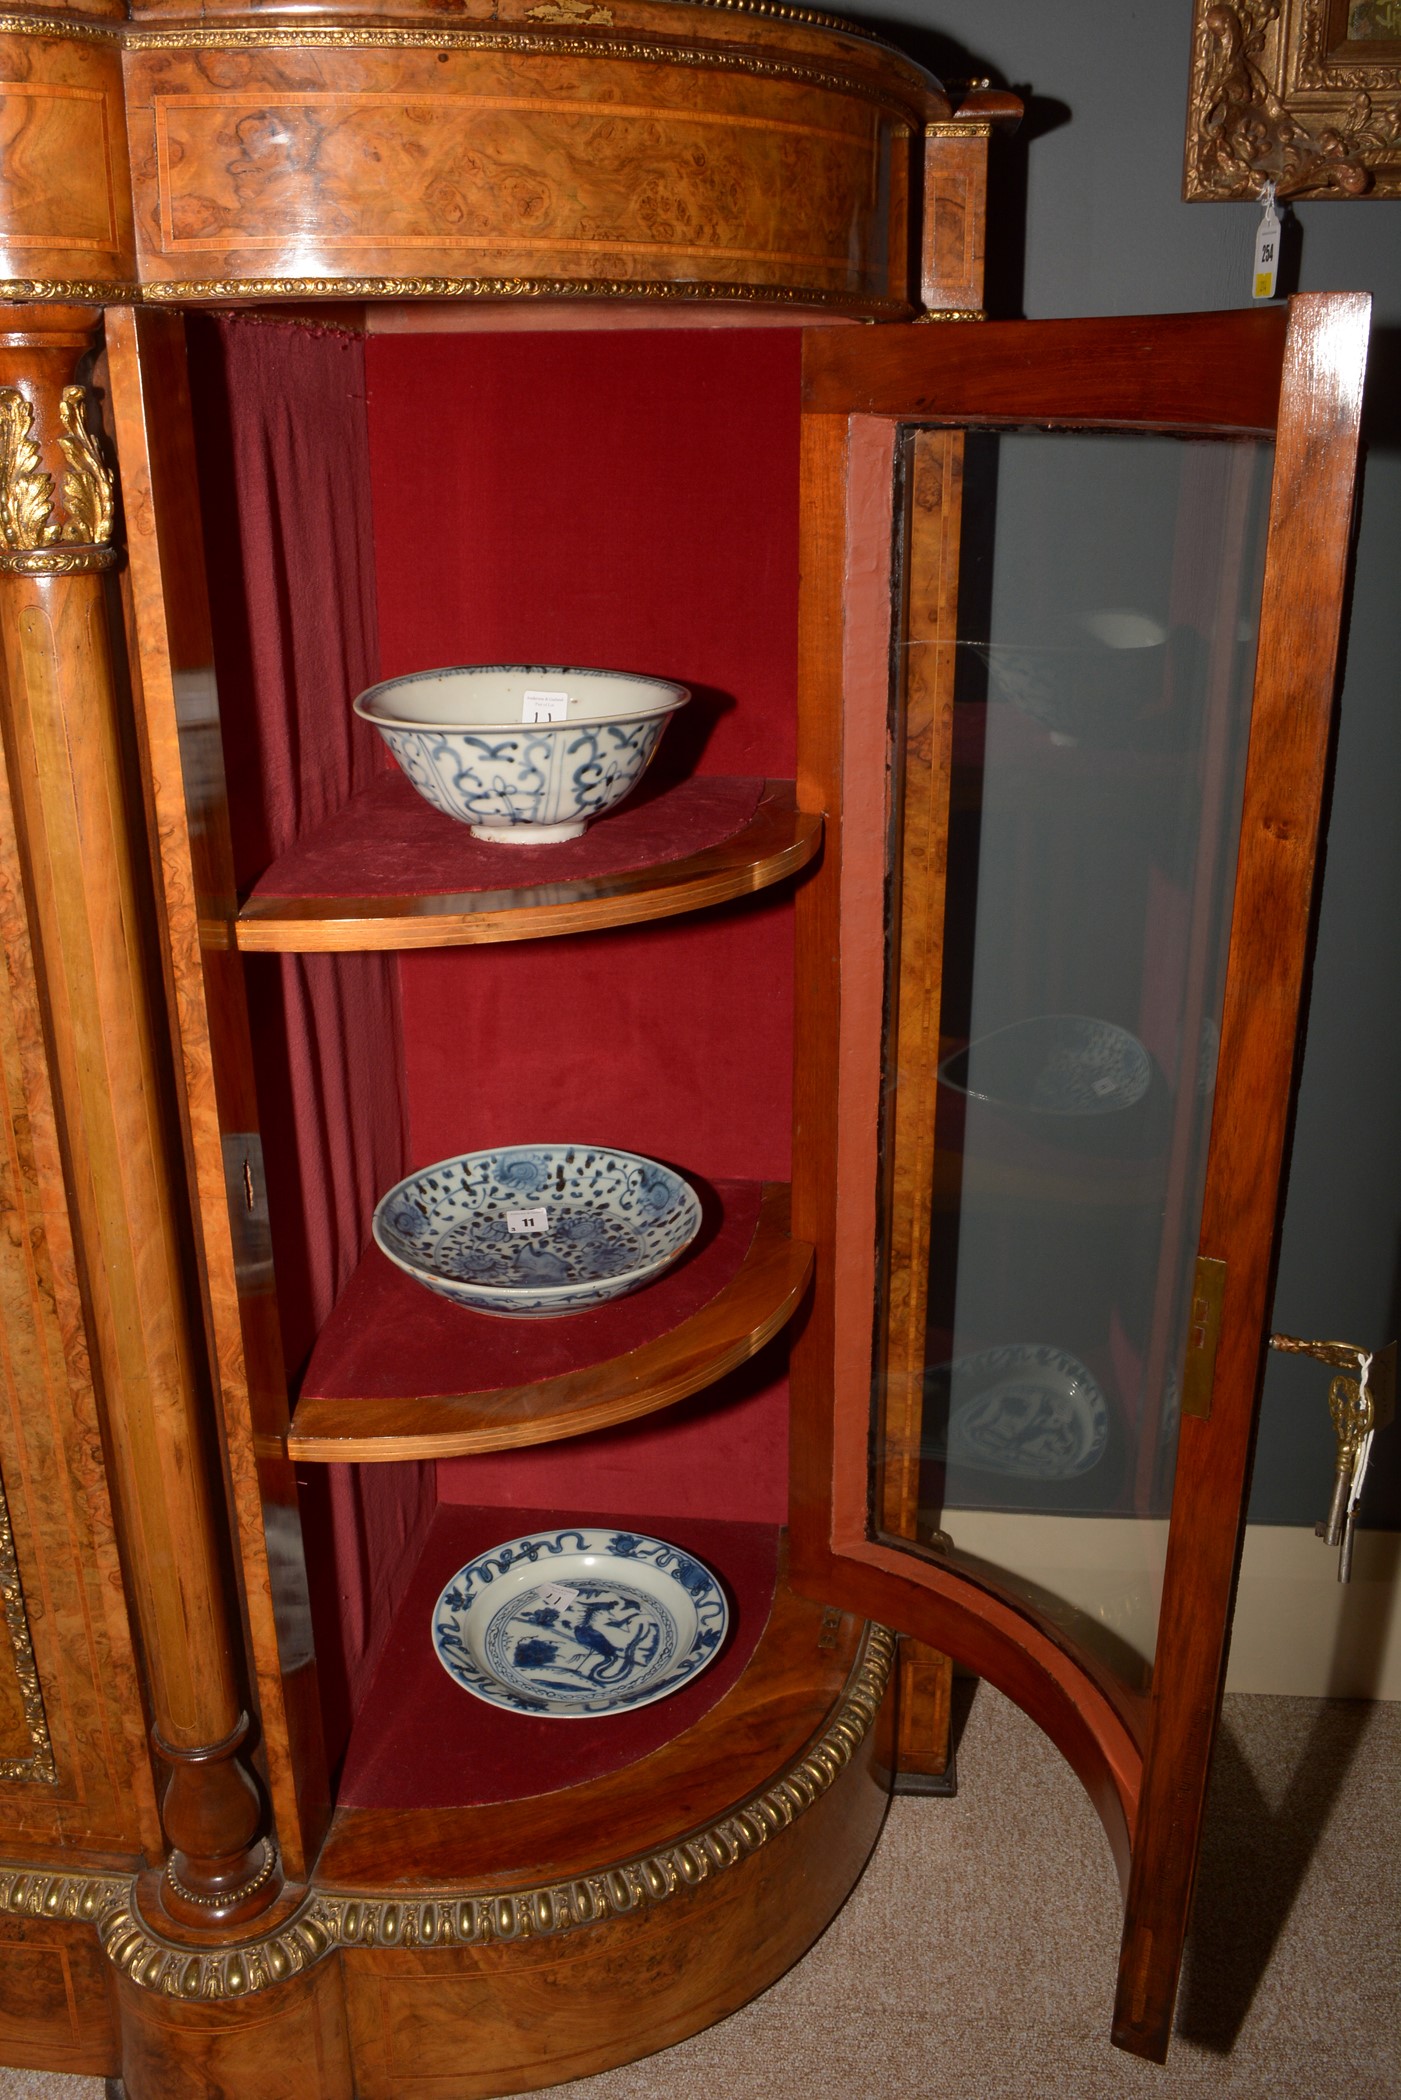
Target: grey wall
1088	219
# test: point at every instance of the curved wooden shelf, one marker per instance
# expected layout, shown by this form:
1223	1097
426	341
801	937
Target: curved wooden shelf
776	841
749	1308
715	1758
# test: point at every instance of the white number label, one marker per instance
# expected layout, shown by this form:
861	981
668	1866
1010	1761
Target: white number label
557	1593
1266	269
545	707
528	1220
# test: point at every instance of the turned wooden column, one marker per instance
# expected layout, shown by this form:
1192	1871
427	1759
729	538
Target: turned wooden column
86	865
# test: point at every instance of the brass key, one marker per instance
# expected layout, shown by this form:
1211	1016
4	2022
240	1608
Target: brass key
1361	1400
1350	1405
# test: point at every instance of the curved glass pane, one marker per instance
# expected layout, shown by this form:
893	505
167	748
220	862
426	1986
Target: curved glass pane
1072	724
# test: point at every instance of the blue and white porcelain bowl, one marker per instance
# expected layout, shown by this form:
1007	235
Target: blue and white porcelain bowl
477	742
1026	1411
538	1230
576	1623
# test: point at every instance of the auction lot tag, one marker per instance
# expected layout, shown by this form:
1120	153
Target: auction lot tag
545	707
528	1220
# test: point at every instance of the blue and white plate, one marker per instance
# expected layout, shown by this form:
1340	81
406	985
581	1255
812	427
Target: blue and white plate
572	1624
1053	1065
538	1230
1026	1411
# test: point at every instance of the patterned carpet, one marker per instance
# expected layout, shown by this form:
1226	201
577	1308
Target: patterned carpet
976	1959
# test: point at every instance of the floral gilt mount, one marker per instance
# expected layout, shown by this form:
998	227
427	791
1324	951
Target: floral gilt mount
1306	93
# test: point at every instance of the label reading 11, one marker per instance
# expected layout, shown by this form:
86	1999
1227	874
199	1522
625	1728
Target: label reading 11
557	1593
528	1220
545	707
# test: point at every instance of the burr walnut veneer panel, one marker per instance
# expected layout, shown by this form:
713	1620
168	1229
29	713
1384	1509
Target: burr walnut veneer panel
65	198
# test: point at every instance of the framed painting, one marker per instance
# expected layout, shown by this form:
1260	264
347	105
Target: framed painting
1306	93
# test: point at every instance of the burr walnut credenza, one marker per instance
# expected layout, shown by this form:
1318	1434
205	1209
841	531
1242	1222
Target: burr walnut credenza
953	947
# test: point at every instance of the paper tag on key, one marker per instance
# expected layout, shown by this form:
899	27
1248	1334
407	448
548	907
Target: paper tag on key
557	1593
545	707
528	1220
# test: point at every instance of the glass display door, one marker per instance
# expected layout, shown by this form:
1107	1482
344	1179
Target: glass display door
1073	594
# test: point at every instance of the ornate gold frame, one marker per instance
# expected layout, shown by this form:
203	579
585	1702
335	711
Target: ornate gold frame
1286	90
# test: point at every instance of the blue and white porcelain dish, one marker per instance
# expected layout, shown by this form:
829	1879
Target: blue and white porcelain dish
1026	1411
475	742
1053	1065
580	1622
538	1231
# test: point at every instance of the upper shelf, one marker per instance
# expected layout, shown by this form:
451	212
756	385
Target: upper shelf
398	1372
435	886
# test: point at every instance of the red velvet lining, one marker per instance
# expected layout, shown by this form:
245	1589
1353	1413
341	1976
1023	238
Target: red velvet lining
285	487
722	1453
421	1741
391	1337
629	500
673	1039
621	499
389	842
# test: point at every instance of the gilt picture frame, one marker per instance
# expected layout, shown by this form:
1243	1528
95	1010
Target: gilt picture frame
1306	93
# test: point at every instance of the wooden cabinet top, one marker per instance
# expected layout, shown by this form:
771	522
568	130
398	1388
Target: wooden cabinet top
654	150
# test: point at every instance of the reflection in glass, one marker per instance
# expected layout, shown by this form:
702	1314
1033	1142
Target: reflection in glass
1073	734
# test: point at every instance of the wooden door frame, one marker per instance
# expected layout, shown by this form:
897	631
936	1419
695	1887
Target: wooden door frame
1295	377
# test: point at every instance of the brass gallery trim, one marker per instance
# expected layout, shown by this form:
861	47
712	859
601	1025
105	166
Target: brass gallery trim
328	1921
59	561
979	129
37	1892
39	1766
510	288
70	291
953	313
770	10
60	25
807	17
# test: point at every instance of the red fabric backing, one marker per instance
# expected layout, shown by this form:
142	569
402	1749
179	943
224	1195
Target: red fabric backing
389	842
673	1039
620	499
628	500
424	1742
723	1452
286	501
390	1337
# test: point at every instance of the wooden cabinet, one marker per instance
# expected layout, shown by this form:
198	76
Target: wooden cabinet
416	342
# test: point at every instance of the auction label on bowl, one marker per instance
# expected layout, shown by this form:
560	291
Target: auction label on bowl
545	707
528	1220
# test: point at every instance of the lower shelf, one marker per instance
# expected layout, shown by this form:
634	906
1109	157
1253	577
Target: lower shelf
465	1953
520	1801
399	1373
423	1743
